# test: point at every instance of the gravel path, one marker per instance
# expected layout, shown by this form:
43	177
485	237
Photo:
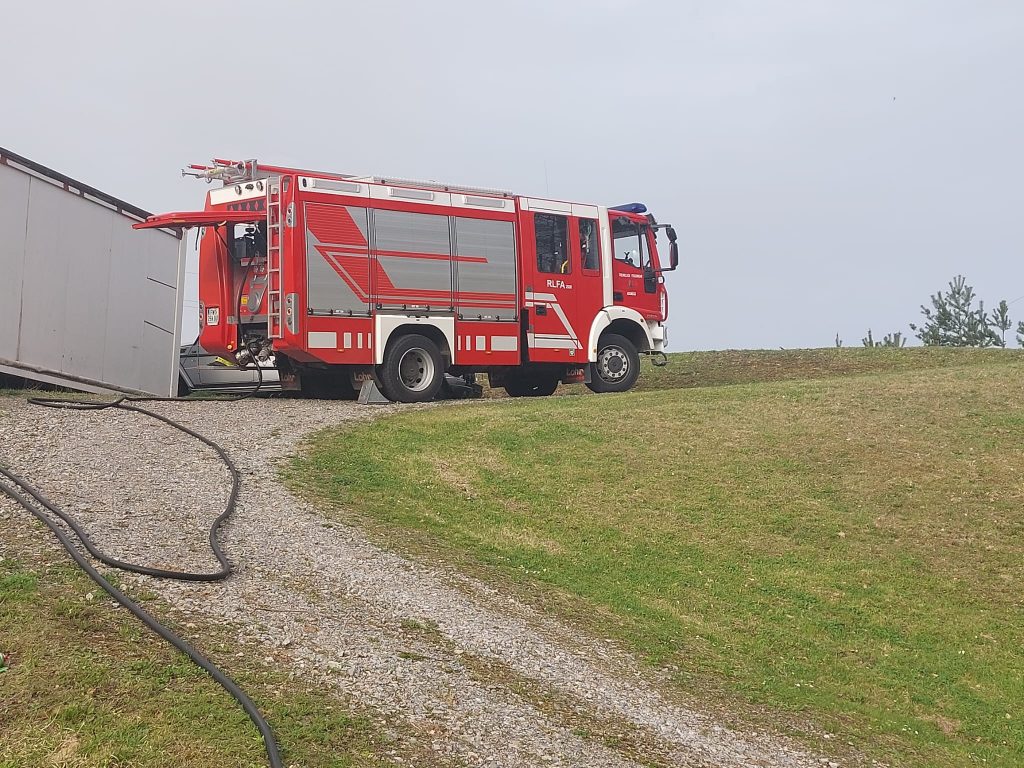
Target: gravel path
473	675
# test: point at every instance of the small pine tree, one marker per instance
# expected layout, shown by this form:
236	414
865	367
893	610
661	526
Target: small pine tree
1001	321
894	339
1020	333
952	320
839	342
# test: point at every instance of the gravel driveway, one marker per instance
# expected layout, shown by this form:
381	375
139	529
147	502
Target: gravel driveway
478	678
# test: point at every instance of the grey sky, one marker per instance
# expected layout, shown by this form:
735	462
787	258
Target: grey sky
828	164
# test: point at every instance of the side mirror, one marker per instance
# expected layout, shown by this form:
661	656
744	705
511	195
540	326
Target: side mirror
673	252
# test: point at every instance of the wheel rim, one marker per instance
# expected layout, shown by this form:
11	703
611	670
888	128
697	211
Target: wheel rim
612	364
416	369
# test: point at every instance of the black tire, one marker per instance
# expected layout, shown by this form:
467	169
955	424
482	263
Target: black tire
617	366
531	385
515	388
412	371
544	387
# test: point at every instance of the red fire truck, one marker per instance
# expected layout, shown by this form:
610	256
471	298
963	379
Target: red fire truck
342	278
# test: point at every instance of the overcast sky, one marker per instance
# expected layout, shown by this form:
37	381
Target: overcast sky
828	165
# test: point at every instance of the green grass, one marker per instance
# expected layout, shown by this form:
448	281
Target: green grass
745	366
88	686
848	551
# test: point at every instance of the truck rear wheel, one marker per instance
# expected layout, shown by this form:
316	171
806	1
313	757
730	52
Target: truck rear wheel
412	371
617	366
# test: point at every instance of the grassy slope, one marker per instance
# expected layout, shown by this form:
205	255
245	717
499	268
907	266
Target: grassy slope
746	366
88	686
848	548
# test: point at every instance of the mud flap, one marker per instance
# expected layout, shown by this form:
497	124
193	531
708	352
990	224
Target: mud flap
577	374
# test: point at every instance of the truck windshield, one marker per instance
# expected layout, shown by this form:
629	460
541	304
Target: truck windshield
630	242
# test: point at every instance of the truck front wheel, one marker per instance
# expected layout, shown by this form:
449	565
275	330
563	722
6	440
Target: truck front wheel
412	371
617	366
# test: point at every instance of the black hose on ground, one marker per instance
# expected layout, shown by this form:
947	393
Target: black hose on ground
32	500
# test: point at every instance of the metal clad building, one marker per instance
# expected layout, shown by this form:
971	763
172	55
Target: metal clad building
85	301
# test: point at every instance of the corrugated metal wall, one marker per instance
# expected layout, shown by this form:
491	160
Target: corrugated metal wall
84	298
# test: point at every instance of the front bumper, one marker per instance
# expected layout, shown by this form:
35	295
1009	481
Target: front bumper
659	336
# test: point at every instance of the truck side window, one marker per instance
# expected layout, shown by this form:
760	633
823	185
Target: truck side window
589	249
628	240
552	236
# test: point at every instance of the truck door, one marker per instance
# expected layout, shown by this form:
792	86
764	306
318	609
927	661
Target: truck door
585	234
635	280
562	265
337	258
549	285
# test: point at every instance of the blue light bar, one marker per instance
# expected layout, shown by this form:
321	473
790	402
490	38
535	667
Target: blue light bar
630	208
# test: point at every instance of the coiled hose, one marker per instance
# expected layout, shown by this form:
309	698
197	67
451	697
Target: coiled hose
32	500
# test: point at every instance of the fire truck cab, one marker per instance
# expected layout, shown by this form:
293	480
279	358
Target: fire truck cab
344	278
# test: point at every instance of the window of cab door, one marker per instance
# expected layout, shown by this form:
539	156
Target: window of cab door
551	236
630	242
590	246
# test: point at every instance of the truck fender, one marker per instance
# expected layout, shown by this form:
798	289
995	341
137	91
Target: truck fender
609	315
386	325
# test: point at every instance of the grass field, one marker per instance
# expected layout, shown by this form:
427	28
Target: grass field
844	549
746	366
88	686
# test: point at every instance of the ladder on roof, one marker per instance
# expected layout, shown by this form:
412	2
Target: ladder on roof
275	326
440	186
